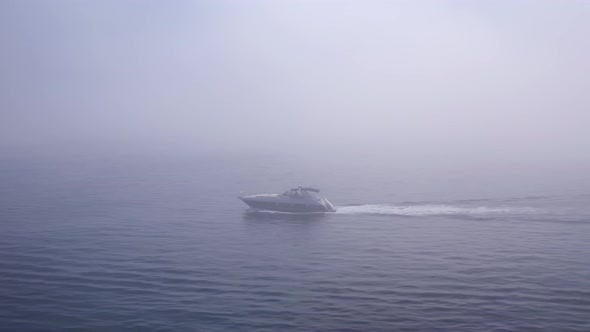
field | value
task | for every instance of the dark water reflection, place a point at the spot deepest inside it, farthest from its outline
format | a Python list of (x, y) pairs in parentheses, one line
[(272, 216)]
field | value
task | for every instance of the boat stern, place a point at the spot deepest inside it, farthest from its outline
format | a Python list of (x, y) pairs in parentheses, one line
[(329, 206)]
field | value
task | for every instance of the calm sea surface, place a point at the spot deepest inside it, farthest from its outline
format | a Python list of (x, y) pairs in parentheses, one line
[(112, 246)]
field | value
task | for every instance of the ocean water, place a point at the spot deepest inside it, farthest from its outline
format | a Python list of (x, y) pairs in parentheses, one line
[(108, 245)]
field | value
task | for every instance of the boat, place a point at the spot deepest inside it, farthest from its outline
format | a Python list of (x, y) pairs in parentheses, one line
[(296, 200)]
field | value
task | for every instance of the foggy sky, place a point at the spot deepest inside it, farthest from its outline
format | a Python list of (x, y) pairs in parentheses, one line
[(429, 81)]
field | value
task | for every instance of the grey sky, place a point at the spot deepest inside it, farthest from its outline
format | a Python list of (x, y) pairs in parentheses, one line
[(477, 80)]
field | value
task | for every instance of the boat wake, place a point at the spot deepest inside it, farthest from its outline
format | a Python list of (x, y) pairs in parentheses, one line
[(429, 210)]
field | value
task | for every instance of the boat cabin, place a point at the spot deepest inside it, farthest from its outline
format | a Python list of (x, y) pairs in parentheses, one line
[(300, 192)]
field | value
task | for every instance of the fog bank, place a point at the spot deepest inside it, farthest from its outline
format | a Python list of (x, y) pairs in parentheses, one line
[(420, 82)]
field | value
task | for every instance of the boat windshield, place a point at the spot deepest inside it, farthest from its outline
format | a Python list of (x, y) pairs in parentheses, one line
[(297, 192)]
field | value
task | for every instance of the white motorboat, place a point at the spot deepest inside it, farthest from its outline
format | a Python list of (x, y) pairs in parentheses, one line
[(296, 200)]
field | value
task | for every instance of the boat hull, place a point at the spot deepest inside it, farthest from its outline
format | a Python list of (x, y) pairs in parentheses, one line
[(286, 206)]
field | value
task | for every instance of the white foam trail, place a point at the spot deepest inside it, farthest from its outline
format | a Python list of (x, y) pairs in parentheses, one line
[(427, 210)]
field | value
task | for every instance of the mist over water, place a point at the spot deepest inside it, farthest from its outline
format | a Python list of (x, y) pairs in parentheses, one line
[(450, 135), (493, 87)]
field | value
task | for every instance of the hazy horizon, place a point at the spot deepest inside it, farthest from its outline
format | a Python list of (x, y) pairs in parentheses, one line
[(440, 85), (449, 139)]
